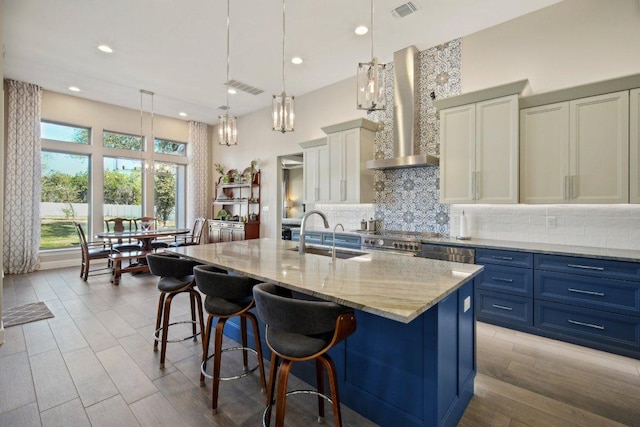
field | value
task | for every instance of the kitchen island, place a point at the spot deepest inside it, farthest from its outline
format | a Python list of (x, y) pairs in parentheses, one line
[(411, 361)]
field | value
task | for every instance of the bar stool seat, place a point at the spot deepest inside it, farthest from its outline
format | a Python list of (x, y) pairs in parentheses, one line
[(299, 330), (227, 296), (176, 277)]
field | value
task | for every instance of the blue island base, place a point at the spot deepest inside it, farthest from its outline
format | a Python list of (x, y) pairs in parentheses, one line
[(395, 374)]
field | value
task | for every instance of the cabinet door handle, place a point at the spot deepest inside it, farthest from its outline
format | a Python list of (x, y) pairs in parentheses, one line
[(473, 185), (503, 258), (316, 194), (588, 325), (502, 279), (573, 187), (581, 291), (585, 267), (343, 190), (502, 307), (565, 191)]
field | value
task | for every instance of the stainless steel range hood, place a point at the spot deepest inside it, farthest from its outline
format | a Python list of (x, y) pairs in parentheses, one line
[(405, 110)]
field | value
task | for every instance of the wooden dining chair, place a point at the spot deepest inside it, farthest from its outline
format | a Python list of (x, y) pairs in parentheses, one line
[(156, 243), (192, 238), (121, 225), (92, 251)]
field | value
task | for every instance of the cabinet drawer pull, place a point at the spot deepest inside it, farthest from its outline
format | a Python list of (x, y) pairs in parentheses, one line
[(502, 307), (502, 279), (580, 291), (588, 325), (503, 258), (585, 267)]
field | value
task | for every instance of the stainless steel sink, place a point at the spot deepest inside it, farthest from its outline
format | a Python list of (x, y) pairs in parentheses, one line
[(340, 252)]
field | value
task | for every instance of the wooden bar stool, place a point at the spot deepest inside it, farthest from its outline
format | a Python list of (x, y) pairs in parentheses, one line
[(227, 296), (299, 330), (176, 277)]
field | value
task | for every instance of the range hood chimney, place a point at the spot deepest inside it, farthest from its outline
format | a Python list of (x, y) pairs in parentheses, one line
[(405, 108)]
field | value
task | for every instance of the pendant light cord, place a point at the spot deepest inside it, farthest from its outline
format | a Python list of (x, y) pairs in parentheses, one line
[(228, 20), (283, 41), (372, 11)]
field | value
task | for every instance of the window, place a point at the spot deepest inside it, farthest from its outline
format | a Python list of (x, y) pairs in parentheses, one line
[(122, 140), (122, 188), (65, 194), (169, 194), (174, 148), (64, 133)]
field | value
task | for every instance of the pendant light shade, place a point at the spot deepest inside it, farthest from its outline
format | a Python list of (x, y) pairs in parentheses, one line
[(283, 104), (227, 131), (371, 80)]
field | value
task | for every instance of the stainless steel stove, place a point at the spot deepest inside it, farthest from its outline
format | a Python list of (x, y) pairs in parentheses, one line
[(400, 242)]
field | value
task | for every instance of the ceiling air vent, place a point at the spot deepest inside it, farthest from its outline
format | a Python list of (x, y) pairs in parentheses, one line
[(244, 87), (223, 108), (404, 10)]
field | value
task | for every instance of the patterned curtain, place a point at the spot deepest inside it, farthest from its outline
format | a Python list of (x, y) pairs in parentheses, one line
[(198, 153), (22, 179)]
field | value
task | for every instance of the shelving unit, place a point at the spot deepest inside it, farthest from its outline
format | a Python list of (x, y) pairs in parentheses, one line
[(236, 209)]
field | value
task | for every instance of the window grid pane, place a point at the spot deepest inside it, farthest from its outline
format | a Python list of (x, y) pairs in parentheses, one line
[(174, 148), (121, 140), (65, 192), (64, 133), (122, 188)]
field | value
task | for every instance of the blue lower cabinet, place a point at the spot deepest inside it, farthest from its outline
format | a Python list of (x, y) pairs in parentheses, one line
[(507, 279), (503, 309), (600, 329)]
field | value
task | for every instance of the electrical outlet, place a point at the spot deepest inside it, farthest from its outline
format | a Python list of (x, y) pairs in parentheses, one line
[(265, 209), (467, 304), (551, 222)]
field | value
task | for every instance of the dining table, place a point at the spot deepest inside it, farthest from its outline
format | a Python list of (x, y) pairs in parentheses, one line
[(145, 237), (137, 259)]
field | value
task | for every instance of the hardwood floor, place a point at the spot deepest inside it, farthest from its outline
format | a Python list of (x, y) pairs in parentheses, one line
[(93, 364)]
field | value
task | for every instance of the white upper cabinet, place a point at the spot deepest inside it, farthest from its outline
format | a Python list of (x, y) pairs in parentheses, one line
[(350, 145), (316, 171), (544, 153), (634, 146), (479, 152), (576, 151)]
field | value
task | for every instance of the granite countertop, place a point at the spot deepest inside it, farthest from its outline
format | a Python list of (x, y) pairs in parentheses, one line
[(392, 286), (545, 248)]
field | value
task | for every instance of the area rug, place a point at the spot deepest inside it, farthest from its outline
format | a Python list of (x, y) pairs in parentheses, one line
[(18, 315)]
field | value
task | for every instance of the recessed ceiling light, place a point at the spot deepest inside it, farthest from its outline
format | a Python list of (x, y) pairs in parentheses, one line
[(362, 30), (74, 89), (182, 114), (232, 91), (104, 48), (296, 60)]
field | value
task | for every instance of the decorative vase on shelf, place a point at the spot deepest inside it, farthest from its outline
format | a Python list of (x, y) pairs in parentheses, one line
[(225, 179)]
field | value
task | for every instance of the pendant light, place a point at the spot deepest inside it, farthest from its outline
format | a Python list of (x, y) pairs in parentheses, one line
[(371, 80), (227, 132), (146, 165), (283, 114)]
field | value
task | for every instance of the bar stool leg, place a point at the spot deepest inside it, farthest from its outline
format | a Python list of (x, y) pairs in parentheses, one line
[(281, 395), (273, 371), (205, 347), (217, 358), (256, 336), (165, 328), (333, 384), (320, 388), (158, 319), (200, 316), (192, 300), (243, 331)]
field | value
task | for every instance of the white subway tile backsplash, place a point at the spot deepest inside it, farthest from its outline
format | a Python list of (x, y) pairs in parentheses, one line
[(609, 226)]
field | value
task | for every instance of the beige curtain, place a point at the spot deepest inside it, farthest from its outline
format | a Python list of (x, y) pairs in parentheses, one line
[(198, 154), (22, 178)]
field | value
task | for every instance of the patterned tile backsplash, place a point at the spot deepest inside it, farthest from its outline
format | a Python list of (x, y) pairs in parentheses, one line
[(407, 199)]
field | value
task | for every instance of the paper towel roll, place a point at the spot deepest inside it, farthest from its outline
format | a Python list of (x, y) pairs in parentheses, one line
[(464, 226)]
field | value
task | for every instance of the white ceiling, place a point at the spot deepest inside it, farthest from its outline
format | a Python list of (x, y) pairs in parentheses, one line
[(177, 49)]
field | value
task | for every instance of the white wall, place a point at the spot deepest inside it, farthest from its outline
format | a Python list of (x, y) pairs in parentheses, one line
[(2, 139), (568, 44), (256, 139)]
